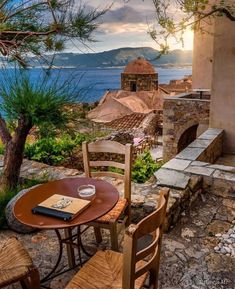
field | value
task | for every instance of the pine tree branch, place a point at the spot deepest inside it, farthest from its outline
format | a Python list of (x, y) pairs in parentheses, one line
[(28, 33), (24, 9), (3, 4), (52, 11)]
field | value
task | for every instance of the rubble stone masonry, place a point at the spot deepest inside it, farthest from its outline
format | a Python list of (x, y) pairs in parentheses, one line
[(144, 82), (179, 115)]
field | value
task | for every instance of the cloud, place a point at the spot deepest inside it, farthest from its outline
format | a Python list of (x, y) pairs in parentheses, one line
[(126, 25), (128, 14), (124, 18), (114, 28)]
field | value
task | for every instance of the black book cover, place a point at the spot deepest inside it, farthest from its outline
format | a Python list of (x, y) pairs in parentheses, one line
[(52, 213)]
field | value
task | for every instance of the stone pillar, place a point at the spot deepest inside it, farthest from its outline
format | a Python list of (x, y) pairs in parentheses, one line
[(222, 111)]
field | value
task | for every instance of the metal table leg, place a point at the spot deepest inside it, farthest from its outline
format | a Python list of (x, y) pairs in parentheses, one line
[(71, 241), (48, 276)]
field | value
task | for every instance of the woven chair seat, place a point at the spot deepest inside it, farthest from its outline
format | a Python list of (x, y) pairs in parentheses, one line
[(113, 215), (103, 271), (14, 262)]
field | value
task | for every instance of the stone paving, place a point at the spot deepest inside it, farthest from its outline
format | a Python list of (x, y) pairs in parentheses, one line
[(189, 259)]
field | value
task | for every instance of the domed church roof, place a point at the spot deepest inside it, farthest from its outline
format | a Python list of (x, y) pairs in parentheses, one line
[(139, 66)]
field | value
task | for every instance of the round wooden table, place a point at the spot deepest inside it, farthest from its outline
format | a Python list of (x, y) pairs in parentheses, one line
[(105, 199)]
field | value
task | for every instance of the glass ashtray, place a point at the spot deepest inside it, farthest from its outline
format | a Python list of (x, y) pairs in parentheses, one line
[(86, 191)]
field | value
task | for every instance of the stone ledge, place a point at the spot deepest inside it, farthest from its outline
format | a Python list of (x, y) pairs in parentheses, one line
[(206, 148), (190, 154), (222, 168), (199, 164), (200, 143), (212, 132), (177, 164), (172, 178), (204, 171), (224, 175), (195, 160), (185, 97)]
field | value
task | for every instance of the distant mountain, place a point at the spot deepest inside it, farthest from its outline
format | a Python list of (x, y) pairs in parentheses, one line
[(118, 57)]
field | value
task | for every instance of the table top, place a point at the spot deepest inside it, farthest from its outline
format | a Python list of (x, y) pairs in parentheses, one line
[(105, 199)]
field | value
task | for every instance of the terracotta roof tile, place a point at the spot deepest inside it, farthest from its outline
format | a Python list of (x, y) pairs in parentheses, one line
[(128, 121), (139, 66)]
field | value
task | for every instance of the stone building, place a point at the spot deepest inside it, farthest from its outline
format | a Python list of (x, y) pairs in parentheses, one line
[(213, 70), (177, 86), (139, 75), (140, 98)]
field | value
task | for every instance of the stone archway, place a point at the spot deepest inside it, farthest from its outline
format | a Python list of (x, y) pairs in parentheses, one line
[(182, 131), (182, 119), (188, 136)]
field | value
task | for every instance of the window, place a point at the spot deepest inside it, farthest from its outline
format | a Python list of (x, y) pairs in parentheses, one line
[(133, 86)]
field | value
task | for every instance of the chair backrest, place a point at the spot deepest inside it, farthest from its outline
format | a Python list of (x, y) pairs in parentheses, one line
[(152, 224), (107, 146)]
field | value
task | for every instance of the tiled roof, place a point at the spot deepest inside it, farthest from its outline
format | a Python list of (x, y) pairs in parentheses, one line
[(128, 121), (139, 66), (116, 104)]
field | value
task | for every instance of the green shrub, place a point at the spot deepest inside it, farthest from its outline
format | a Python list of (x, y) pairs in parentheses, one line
[(116, 170), (81, 137), (49, 150), (54, 151), (144, 167)]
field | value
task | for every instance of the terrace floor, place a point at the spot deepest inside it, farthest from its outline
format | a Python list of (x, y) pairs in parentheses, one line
[(189, 260), (226, 160)]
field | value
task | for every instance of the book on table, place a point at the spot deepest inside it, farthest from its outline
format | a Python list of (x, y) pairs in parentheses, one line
[(62, 207)]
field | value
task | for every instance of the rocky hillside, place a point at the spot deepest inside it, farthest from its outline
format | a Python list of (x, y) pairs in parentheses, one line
[(118, 57)]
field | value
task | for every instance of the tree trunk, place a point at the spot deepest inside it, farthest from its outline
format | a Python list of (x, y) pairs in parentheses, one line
[(13, 157)]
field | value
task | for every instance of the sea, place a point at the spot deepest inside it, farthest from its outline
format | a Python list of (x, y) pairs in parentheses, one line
[(92, 83)]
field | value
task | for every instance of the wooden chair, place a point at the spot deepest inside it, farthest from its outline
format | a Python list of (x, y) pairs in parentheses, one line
[(130, 270), (17, 266), (123, 207)]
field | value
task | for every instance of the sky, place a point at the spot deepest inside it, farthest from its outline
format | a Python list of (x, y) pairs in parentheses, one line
[(125, 25)]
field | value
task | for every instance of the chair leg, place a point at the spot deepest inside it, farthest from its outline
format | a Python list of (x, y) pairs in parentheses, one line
[(128, 214), (70, 250), (153, 279), (33, 281), (114, 238), (98, 234)]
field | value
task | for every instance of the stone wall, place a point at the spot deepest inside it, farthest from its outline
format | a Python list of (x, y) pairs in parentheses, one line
[(179, 115), (195, 160), (40, 171), (190, 174), (143, 82), (206, 148), (151, 125)]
